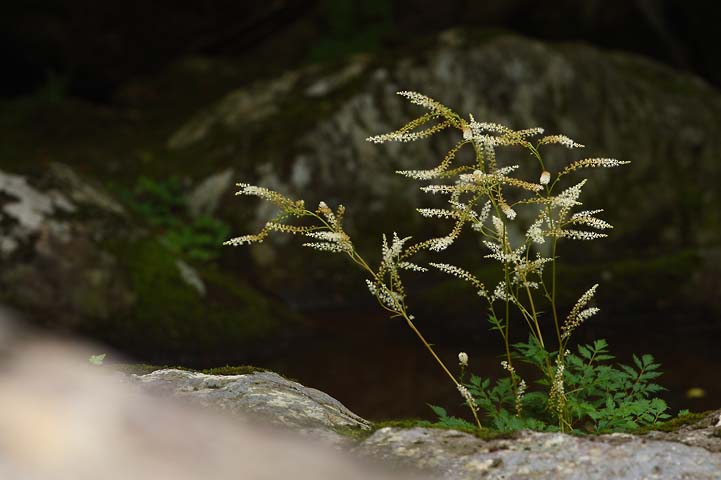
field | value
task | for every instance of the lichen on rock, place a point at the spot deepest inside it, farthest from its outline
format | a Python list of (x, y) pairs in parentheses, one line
[(258, 396)]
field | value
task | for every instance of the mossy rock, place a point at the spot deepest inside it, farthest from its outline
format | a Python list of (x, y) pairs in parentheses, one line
[(675, 424), (172, 319), (144, 368)]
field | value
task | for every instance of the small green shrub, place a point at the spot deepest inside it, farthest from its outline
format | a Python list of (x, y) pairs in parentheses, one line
[(599, 397), (573, 391), (157, 202), (162, 205)]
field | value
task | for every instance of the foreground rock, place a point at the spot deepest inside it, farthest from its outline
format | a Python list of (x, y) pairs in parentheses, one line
[(63, 419), (690, 452), (262, 396), (531, 455)]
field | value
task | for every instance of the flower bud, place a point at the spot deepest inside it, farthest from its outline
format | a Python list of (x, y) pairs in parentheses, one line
[(463, 359), (545, 177), (508, 211), (467, 132)]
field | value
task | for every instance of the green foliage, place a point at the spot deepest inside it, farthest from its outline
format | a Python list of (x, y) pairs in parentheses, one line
[(197, 240), (499, 404), (158, 202), (599, 396), (444, 420), (162, 205)]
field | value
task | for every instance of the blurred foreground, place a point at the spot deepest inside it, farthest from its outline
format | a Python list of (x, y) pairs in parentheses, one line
[(63, 418)]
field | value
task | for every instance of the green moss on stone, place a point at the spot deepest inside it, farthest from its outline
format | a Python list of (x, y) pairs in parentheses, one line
[(675, 423), (144, 369), (233, 370), (170, 316), (402, 423), (356, 433)]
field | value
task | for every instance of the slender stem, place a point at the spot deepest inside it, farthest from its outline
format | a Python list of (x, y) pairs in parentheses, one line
[(553, 294), (440, 362), (552, 298), (535, 315), (507, 282), (504, 334), (549, 212), (528, 318)]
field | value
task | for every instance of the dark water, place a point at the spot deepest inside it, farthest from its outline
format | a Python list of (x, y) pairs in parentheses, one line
[(378, 368)]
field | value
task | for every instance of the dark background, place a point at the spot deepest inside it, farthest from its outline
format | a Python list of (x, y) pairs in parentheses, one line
[(90, 48), (75, 57)]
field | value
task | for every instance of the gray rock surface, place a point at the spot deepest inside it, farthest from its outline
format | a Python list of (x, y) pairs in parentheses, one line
[(50, 231), (705, 433), (205, 197), (27, 211), (532, 455), (264, 396)]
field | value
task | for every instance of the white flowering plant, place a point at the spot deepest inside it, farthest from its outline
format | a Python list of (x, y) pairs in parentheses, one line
[(574, 391)]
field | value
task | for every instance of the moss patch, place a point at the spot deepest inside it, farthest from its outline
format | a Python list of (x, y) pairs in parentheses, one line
[(144, 369), (675, 423), (233, 370), (171, 318), (356, 433)]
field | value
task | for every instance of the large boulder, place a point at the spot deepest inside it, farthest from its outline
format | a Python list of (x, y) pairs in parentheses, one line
[(303, 134), (51, 263), (74, 259)]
